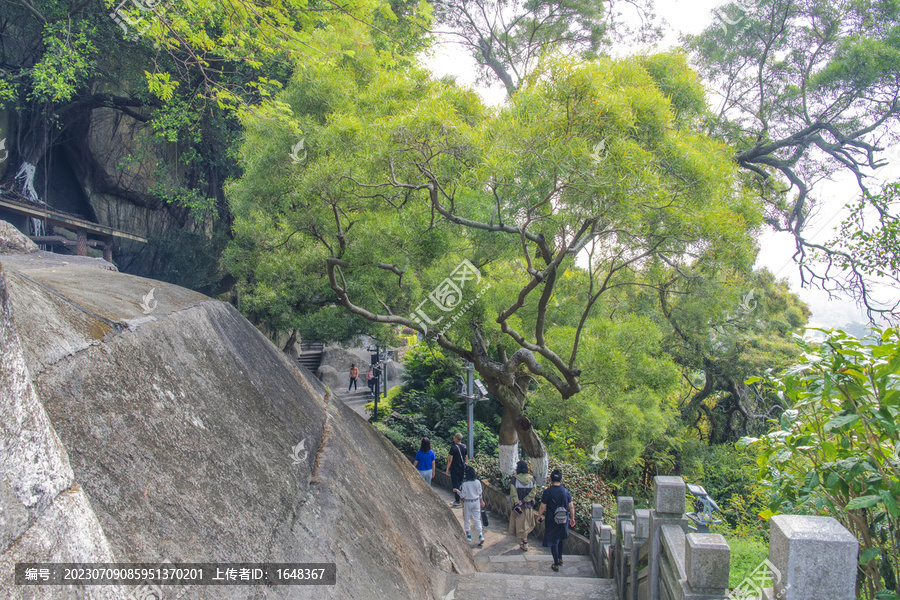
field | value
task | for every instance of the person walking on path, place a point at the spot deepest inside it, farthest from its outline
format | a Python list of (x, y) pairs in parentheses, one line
[(456, 465), (354, 373), (556, 501), (424, 460), (370, 381), (470, 491), (522, 494)]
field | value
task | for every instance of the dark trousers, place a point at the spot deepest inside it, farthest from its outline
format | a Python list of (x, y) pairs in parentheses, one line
[(456, 478), (556, 550), (352, 384)]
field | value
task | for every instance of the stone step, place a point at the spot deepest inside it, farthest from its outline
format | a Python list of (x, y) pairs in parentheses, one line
[(501, 586), (535, 564)]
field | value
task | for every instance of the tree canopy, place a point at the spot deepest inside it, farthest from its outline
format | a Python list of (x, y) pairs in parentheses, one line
[(809, 89), (403, 179)]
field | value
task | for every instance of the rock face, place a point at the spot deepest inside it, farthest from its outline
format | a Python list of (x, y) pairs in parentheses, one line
[(335, 381), (13, 241), (166, 427), (335, 369)]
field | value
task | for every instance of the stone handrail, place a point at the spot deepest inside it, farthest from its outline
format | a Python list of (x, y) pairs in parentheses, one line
[(654, 556)]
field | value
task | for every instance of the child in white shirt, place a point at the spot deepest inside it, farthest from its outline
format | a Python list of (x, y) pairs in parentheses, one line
[(470, 492)]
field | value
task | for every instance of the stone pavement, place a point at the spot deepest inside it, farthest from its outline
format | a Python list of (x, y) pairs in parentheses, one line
[(507, 573), (357, 399)]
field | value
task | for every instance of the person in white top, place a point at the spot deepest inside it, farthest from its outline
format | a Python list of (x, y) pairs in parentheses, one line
[(470, 492)]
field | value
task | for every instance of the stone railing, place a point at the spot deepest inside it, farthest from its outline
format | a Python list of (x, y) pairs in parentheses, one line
[(652, 555)]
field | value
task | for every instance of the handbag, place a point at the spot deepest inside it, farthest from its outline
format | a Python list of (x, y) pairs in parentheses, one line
[(484, 519)]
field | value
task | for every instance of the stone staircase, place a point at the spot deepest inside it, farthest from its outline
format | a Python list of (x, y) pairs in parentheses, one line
[(311, 356), (506, 573), (503, 586)]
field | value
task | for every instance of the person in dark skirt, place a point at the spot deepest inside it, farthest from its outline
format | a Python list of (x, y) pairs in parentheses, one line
[(556, 501)]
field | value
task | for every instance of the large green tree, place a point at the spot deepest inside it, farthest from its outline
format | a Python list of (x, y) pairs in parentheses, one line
[(722, 331), (176, 78), (402, 179), (809, 90), (509, 38)]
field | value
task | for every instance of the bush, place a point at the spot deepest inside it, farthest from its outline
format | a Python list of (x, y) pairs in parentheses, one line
[(729, 476), (837, 450), (486, 441)]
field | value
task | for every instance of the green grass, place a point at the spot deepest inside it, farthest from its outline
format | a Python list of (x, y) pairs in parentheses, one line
[(747, 553)]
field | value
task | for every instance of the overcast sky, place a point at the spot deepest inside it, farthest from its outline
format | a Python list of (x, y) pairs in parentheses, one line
[(692, 16)]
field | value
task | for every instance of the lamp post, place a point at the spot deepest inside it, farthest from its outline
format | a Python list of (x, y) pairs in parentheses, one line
[(376, 389), (470, 405)]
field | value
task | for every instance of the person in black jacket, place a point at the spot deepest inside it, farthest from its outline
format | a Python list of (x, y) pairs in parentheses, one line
[(456, 464), (557, 502)]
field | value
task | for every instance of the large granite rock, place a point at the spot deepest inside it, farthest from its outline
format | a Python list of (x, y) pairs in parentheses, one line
[(175, 431), (340, 359), (13, 241), (333, 380), (44, 514)]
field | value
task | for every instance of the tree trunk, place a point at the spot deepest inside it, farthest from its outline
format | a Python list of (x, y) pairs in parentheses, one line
[(515, 426), (509, 443)]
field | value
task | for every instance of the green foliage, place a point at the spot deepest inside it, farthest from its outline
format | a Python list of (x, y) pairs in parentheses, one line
[(189, 259), (486, 440), (385, 408), (65, 65), (626, 397), (805, 90), (729, 475), (722, 329), (507, 39), (875, 247), (427, 367), (837, 450)]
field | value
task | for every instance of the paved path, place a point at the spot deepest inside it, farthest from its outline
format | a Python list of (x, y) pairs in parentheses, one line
[(357, 399), (505, 572)]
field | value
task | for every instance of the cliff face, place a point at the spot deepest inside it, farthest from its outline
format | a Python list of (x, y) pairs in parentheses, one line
[(180, 433)]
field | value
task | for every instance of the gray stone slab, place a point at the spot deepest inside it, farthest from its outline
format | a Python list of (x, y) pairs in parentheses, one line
[(812, 557), (669, 494), (707, 561), (624, 507), (642, 523), (673, 541)]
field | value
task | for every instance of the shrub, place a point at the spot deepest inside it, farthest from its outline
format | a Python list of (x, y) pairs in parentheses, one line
[(729, 476), (485, 440), (837, 450)]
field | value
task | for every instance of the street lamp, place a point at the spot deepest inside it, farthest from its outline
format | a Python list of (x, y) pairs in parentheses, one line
[(376, 371), (706, 518), (472, 390)]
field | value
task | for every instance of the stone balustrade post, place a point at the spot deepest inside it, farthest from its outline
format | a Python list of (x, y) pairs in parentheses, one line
[(624, 516), (597, 550), (669, 499), (707, 562), (811, 558)]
